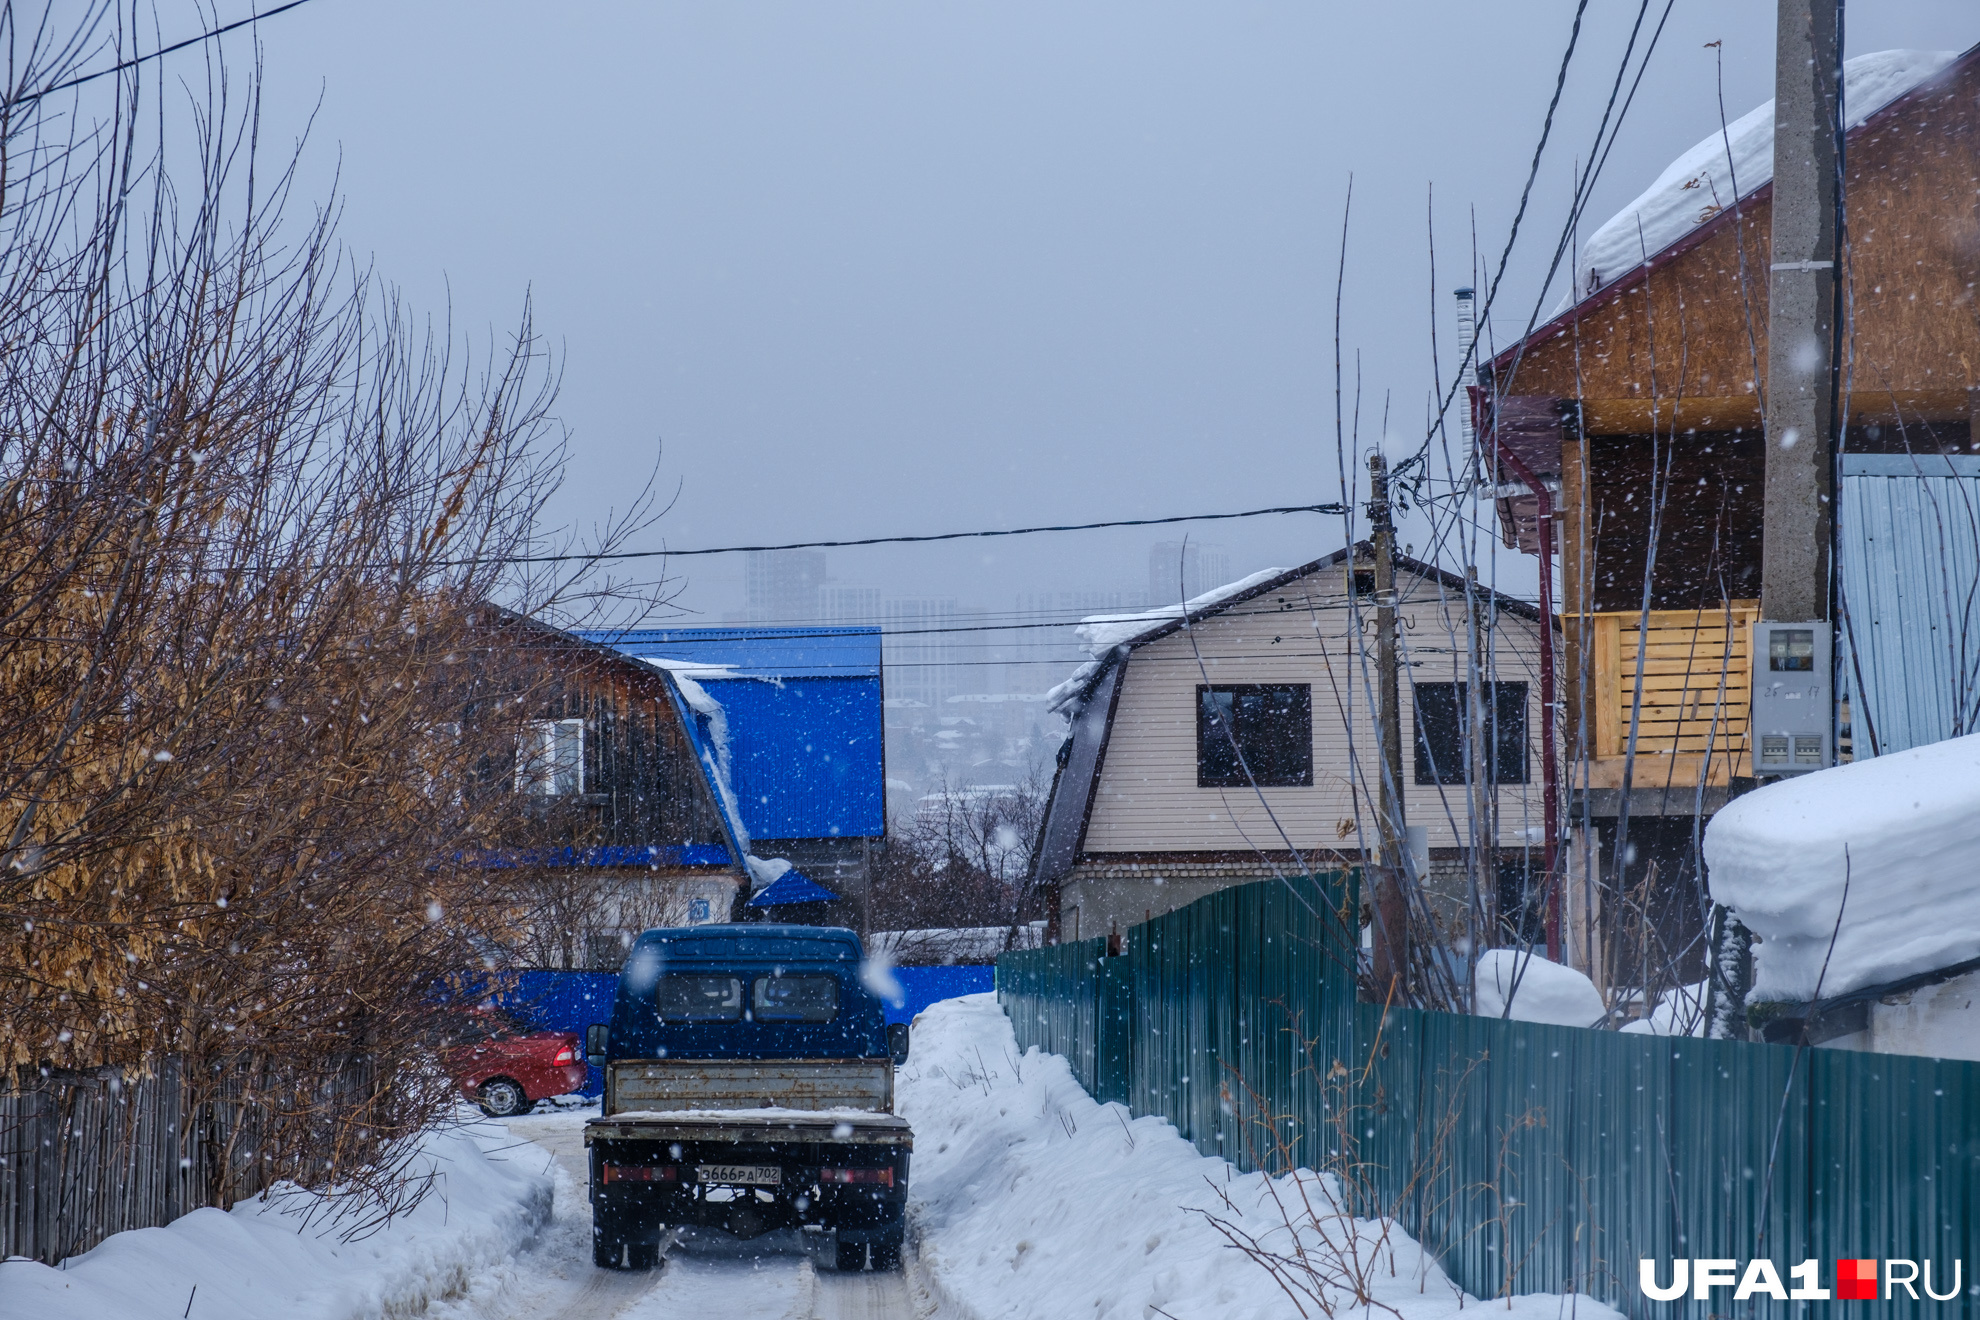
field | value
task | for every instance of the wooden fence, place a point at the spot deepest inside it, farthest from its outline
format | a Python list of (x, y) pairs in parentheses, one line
[(87, 1154)]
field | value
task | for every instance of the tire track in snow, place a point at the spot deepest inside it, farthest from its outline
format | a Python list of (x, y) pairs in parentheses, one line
[(708, 1275)]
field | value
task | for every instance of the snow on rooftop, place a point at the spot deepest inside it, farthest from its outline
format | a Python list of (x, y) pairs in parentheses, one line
[(690, 669), (1699, 184), (684, 674), (1101, 633), (1905, 831)]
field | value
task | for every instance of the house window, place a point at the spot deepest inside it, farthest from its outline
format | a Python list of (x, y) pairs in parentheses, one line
[(1265, 729), (550, 760), (1440, 744)]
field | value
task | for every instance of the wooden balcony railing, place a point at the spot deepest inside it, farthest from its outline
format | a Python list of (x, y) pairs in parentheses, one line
[(1693, 717)]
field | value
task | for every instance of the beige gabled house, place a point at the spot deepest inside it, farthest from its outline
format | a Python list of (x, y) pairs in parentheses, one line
[(1233, 739)]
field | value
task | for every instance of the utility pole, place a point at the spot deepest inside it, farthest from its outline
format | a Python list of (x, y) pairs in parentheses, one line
[(1801, 316), (1391, 908), (1484, 828)]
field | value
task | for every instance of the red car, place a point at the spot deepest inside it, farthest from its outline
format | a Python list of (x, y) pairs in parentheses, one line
[(505, 1069)]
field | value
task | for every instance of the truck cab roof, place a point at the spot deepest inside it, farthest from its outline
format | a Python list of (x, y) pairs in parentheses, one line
[(750, 991), (754, 942)]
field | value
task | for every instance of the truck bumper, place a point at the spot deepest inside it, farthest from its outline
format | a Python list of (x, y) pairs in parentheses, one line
[(659, 1184)]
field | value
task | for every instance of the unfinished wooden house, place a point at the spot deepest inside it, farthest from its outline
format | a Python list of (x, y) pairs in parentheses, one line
[(1639, 408)]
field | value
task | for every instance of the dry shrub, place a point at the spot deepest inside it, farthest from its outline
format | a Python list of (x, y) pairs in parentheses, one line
[(258, 716)]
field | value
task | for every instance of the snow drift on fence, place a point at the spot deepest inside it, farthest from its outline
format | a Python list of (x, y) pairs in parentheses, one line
[(1910, 823), (1031, 1200), (266, 1259), (1525, 987)]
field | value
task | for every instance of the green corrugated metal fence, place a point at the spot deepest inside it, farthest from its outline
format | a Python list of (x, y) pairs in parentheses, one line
[(1527, 1157)]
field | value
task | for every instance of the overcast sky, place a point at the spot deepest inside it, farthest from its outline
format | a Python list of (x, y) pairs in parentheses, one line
[(856, 268)]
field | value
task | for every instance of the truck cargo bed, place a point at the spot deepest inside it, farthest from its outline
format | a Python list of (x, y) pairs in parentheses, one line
[(673, 1085)]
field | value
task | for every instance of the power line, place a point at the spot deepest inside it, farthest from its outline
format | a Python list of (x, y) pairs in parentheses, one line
[(32, 97), (884, 540)]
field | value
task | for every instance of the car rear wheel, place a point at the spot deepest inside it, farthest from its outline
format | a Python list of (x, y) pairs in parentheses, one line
[(502, 1097)]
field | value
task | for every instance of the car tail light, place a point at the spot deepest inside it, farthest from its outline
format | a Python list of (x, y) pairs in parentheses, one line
[(885, 1177), (568, 1054), (612, 1173)]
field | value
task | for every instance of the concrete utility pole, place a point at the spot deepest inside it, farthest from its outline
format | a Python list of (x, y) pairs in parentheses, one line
[(1391, 908), (1801, 316), (1478, 719)]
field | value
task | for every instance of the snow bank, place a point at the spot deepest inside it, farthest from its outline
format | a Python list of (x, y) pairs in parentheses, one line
[(1537, 990), (265, 1259), (1910, 825), (1031, 1200), (1679, 1012), (1101, 633), (1699, 183)]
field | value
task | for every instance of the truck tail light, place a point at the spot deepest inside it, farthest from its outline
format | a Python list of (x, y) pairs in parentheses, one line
[(564, 1056), (885, 1177), (612, 1173)]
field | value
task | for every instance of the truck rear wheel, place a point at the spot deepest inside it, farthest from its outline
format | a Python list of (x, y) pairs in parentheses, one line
[(851, 1256), (612, 1248), (887, 1253)]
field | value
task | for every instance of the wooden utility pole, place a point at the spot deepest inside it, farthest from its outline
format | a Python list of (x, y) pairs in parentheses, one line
[(1478, 719), (1391, 907), (1801, 316)]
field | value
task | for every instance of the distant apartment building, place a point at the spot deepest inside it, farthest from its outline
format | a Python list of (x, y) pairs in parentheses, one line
[(921, 649), (781, 586), (1183, 570)]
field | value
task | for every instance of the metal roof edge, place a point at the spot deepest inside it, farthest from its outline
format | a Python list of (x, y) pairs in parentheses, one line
[(732, 827), (1069, 806)]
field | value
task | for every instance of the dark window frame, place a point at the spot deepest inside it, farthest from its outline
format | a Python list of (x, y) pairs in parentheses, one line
[(698, 1013), (1439, 741), (759, 1011), (1270, 723)]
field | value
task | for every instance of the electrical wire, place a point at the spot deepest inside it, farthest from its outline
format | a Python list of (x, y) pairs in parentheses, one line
[(883, 540), (32, 97)]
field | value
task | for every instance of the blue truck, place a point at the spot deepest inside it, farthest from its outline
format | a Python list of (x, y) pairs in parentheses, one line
[(749, 1086)]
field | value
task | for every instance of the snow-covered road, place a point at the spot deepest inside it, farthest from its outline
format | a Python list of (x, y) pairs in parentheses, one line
[(780, 1276)]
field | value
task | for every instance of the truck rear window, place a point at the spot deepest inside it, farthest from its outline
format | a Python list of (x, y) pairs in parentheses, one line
[(699, 998), (795, 999)]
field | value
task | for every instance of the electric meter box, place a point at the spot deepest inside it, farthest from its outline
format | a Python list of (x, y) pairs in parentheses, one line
[(1793, 719)]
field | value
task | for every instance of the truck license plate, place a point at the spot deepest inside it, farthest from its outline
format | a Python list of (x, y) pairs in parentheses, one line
[(748, 1175)]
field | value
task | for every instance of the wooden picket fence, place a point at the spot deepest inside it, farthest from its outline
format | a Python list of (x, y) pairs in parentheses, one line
[(87, 1154)]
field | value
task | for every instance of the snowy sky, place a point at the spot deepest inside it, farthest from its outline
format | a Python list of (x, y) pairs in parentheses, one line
[(872, 267)]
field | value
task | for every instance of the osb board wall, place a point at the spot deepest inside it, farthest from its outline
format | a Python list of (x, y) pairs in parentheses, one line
[(1696, 326), (1707, 525)]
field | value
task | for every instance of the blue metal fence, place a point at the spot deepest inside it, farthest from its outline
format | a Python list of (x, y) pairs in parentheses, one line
[(1527, 1157)]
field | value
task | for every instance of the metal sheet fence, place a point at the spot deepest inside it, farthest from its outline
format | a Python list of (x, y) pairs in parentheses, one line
[(1527, 1157)]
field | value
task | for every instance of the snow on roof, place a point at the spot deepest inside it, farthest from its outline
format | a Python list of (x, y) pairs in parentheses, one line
[(713, 748), (1905, 831), (690, 669), (1699, 184), (1101, 633)]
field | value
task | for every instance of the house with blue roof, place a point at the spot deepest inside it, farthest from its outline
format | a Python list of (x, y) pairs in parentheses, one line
[(790, 719), (624, 817)]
